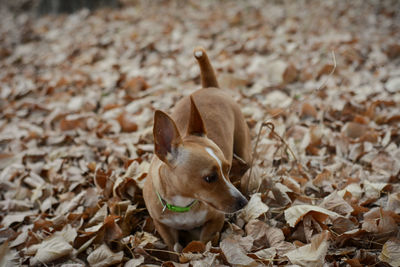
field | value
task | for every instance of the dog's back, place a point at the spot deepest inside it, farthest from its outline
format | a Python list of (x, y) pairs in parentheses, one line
[(222, 117), (223, 120)]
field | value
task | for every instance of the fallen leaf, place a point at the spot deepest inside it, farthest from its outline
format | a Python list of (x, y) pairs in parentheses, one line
[(311, 255), (391, 252), (290, 74), (266, 254), (235, 254), (134, 262), (8, 258), (254, 209), (308, 110), (394, 202), (103, 256), (14, 217), (56, 246), (194, 247), (127, 125), (294, 214), (373, 190), (379, 221), (336, 203)]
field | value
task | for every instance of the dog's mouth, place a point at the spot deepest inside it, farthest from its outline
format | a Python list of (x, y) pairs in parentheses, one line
[(229, 210)]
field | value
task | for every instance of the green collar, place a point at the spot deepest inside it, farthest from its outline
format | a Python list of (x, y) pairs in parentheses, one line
[(175, 208)]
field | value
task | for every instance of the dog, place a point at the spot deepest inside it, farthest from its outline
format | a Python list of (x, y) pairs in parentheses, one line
[(198, 149)]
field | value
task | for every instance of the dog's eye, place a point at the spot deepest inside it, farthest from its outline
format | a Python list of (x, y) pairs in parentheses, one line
[(211, 177)]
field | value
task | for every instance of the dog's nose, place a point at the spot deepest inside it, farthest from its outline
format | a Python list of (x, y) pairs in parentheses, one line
[(241, 202)]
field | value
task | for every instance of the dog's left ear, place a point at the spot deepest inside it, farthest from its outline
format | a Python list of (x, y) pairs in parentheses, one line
[(166, 138), (196, 124)]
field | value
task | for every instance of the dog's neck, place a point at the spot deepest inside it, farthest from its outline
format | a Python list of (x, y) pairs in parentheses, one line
[(166, 187)]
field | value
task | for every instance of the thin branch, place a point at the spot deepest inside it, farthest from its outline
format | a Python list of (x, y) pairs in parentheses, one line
[(331, 73)]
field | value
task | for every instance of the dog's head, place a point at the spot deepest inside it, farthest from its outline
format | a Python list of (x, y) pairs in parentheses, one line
[(197, 167)]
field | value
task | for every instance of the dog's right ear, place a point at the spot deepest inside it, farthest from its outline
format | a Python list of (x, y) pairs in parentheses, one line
[(166, 137)]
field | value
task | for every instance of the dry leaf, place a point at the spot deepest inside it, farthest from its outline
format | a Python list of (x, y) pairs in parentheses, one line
[(194, 247), (8, 258), (294, 214), (336, 203), (380, 221), (234, 253), (391, 252), (254, 209), (373, 190), (290, 74), (56, 246), (307, 110), (394, 203), (134, 262), (311, 255), (263, 234), (103, 256), (16, 217), (266, 254)]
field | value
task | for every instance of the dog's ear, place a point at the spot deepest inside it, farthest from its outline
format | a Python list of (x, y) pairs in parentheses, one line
[(196, 124), (166, 137)]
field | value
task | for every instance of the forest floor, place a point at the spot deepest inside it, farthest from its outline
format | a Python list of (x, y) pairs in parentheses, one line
[(77, 98)]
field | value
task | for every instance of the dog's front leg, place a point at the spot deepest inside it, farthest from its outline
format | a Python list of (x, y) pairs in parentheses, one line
[(210, 230), (169, 235)]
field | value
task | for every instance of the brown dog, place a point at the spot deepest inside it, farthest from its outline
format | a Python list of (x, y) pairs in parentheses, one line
[(204, 143)]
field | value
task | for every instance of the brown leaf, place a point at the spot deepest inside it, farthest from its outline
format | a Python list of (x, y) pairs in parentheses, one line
[(103, 256), (393, 50), (135, 85), (325, 70), (308, 110), (134, 262), (264, 235), (112, 230), (394, 202), (391, 252), (290, 74), (336, 203), (294, 214), (342, 225), (354, 130), (56, 246), (126, 122), (379, 221), (312, 255), (8, 258), (254, 208), (67, 124), (235, 254), (194, 247), (386, 163)]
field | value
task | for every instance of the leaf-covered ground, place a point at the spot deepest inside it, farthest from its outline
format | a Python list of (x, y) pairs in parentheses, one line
[(77, 97)]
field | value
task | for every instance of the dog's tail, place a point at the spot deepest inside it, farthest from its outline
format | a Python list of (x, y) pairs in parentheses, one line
[(207, 74)]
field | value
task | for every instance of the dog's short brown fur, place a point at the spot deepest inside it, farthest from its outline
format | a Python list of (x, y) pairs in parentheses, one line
[(203, 144)]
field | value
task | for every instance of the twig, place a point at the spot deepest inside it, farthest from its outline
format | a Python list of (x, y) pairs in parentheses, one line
[(330, 74), (270, 126), (254, 155), (160, 250)]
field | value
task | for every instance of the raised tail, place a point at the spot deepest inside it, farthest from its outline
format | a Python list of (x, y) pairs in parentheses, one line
[(207, 74)]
